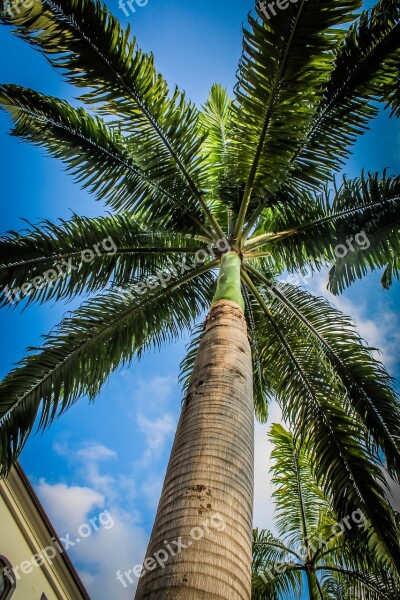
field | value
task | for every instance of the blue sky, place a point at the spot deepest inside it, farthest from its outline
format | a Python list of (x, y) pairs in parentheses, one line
[(112, 455)]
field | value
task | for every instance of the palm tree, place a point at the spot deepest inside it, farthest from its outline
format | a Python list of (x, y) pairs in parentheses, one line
[(315, 556), (245, 181)]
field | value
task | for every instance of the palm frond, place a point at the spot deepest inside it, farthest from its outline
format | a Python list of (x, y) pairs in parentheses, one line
[(335, 566), (86, 255), (215, 120), (277, 572), (88, 45), (366, 66), (76, 358), (316, 407), (364, 379), (366, 69), (393, 98), (373, 229), (117, 171), (351, 584), (285, 67), (355, 229), (391, 271), (335, 589), (299, 503)]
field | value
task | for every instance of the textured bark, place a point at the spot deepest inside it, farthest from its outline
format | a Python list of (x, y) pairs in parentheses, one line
[(209, 480)]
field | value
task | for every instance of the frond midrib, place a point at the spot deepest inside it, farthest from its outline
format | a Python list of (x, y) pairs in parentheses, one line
[(253, 172), (111, 325)]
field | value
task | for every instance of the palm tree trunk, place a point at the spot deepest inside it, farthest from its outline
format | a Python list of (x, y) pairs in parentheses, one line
[(205, 512), (314, 589)]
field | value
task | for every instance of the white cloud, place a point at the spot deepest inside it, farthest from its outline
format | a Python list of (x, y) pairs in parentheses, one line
[(68, 506), (151, 489), (118, 545), (263, 504), (95, 453), (156, 432), (119, 548), (153, 393), (88, 457), (377, 324)]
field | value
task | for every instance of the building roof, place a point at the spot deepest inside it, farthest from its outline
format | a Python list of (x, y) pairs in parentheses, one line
[(23, 499)]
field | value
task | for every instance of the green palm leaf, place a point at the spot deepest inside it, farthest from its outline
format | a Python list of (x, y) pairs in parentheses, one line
[(366, 69), (335, 565), (315, 405), (295, 226), (215, 122), (351, 584), (115, 170), (298, 500), (77, 358), (283, 72), (85, 255), (364, 379), (374, 204), (83, 40), (277, 571), (366, 66), (391, 271), (355, 231)]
